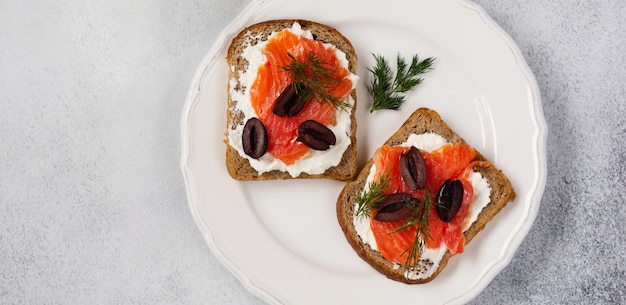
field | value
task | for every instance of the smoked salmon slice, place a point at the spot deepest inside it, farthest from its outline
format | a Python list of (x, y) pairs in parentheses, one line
[(450, 161), (272, 79)]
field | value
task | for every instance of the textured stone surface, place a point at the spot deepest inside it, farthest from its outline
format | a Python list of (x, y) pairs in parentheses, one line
[(574, 253), (92, 202)]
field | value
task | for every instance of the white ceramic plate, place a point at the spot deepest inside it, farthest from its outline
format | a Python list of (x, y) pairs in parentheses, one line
[(281, 238)]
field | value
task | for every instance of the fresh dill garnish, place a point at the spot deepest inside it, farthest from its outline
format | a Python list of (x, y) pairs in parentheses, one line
[(418, 221), (368, 200), (314, 78), (389, 91)]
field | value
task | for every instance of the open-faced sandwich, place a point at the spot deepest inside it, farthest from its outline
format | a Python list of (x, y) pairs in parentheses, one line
[(291, 102), (420, 199)]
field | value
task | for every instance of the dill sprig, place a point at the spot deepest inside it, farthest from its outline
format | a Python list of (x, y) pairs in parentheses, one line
[(368, 200), (418, 221), (389, 91), (314, 78)]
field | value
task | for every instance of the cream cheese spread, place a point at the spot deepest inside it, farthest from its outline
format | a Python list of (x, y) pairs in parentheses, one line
[(430, 258), (313, 162)]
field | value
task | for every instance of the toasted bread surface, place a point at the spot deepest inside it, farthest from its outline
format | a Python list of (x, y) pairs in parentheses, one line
[(238, 166), (423, 120)]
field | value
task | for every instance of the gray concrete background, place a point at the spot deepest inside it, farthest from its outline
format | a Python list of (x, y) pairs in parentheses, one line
[(92, 202)]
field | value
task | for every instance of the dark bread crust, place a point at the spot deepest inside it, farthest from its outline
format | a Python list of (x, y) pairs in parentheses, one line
[(239, 167), (421, 121)]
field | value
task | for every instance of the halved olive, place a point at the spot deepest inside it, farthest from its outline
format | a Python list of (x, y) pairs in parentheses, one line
[(315, 135), (449, 199), (413, 169), (254, 138), (394, 207), (290, 102)]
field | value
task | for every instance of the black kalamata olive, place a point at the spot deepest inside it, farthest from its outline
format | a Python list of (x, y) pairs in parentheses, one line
[(315, 135), (290, 102), (449, 199), (413, 169), (394, 207), (254, 138)]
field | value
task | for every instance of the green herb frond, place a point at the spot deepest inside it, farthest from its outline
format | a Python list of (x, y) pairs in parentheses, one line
[(314, 78), (375, 194), (389, 91), (417, 221)]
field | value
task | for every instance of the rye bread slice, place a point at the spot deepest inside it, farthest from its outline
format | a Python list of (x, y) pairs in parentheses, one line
[(423, 120), (238, 166)]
